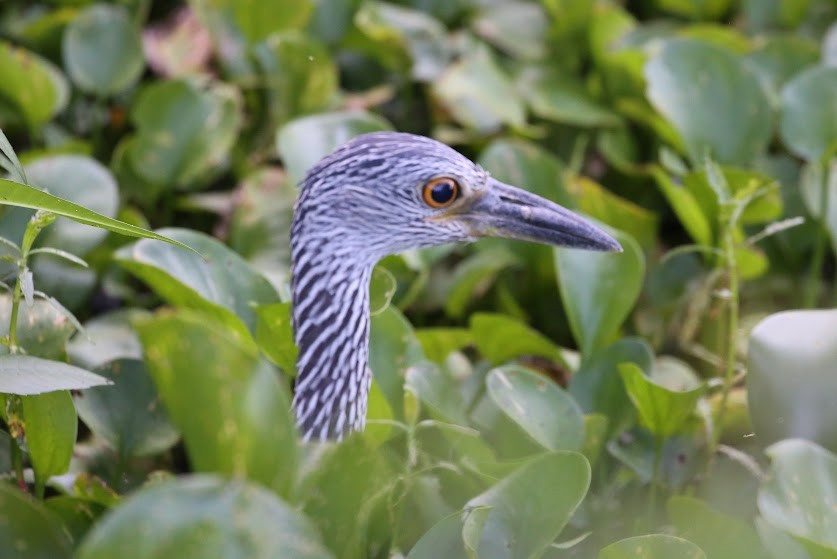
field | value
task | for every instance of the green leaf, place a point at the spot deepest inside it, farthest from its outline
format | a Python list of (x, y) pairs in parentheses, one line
[(719, 535), (16, 194), (663, 411), (191, 517), (42, 329), (34, 89), (275, 335), (9, 161), (51, 424), (686, 206), (108, 337), (474, 274), (77, 515), (250, 432), (444, 539), (257, 19), (501, 338), (798, 495), (185, 128), (540, 407), (818, 184), (695, 9), (741, 184), (808, 123), (652, 546), (28, 530), (437, 389), (102, 50), (128, 415), (790, 368), (478, 93), (219, 283), (530, 507), (439, 342), (777, 58), (680, 460), (599, 289), (27, 375), (304, 141), (393, 350), (561, 97), (712, 99)]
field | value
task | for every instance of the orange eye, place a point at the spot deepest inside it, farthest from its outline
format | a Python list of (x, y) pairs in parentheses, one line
[(441, 192)]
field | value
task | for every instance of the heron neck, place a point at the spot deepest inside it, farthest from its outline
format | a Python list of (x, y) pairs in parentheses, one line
[(331, 326)]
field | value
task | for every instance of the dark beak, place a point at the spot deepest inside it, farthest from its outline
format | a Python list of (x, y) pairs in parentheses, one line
[(508, 211)]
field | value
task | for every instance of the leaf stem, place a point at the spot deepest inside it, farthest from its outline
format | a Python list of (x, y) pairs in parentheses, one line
[(732, 334)]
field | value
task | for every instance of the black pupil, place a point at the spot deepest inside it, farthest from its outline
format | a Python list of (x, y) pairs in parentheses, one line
[(443, 192)]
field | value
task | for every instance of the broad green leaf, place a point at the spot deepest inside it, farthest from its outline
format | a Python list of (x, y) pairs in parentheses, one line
[(790, 376), (808, 123), (257, 19), (31, 86), (191, 517), (501, 338), (393, 350), (108, 337), (185, 128), (478, 93), (42, 329), (712, 99), (678, 462), (742, 184), (779, 543), (444, 539), (16, 194), (529, 166), (599, 289), (778, 58), (275, 335), (597, 387), (818, 184), (129, 414), (343, 511), (51, 424), (685, 206), (540, 407), (518, 28), (767, 16), (250, 431), (28, 530), (719, 535), (27, 375), (652, 546), (438, 390), (473, 273), (220, 282), (297, 75), (695, 9), (304, 141), (530, 507), (77, 515), (662, 410), (563, 98), (800, 493), (102, 50), (439, 342)]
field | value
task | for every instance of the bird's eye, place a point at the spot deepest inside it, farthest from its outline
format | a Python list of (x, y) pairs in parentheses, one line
[(441, 192)]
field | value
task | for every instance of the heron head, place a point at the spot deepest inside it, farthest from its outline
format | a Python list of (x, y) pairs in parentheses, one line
[(392, 191)]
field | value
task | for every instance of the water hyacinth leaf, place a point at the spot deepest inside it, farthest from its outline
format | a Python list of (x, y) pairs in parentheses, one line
[(250, 432), (190, 516), (718, 534), (500, 338), (444, 539), (129, 414), (518, 28), (42, 329), (713, 100), (77, 515), (393, 349), (818, 183), (652, 546), (790, 378), (51, 425), (36, 532), (686, 206), (474, 274), (478, 93), (302, 142), (185, 128), (275, 335), (257, 19), (27, 375), (800, 493), (220, 282), (102, 50), (662, 410), (563, 98), (808, 123), (597, 387), (540, 407), (437, 389), (21, 195), (34, 89), (108, 337), (599, 289), (695, 9), (741, 184), (530, 507), (438, 343), (779, 58), (527, 165), (297, 75)]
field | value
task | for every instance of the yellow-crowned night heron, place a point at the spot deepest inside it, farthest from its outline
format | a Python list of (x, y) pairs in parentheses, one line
[(379, 194)]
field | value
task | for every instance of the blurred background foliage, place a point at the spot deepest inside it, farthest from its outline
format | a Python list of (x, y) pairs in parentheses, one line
[(674, 400)]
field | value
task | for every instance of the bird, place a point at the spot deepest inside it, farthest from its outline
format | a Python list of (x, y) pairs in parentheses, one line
[(378, 194)]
